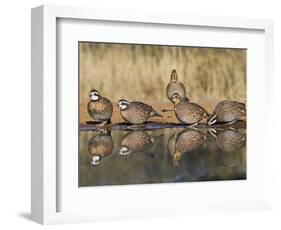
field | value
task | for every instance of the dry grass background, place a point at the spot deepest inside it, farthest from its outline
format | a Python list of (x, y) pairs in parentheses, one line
[(142, 72)]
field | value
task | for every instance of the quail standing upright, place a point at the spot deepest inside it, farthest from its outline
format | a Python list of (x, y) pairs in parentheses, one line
[(136, 112), (227, 111), (100, 108), (188, 112), (175, 86)]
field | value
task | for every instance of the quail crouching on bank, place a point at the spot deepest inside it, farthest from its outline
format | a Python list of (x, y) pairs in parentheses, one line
[(227, 111), (136, 112), (100, 108), (188, 112)]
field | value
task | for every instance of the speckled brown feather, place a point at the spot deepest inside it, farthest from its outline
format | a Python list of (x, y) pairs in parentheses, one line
[(189, 140), (100, 110), (100, 145), (137, 141), (190, 113), (230, 140), (175, 87), (138, 113), (228, 110), (172, 144)]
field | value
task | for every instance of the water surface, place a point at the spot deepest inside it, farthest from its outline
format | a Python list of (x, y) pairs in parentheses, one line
[(120, 157)]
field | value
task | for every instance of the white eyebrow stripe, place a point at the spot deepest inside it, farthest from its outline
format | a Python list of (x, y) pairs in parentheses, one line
[(95, 92), (124, 102)]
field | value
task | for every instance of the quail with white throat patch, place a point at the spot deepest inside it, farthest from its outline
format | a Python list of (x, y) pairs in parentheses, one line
[(136, 113), (100, 108)]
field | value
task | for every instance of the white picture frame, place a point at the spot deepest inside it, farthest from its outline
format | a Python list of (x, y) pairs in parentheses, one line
[(46, 181)]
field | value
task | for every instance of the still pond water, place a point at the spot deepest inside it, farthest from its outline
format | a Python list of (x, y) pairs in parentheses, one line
[(124, 157)]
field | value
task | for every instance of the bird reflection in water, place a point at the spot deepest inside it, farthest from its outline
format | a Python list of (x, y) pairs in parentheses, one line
[(184, 142), (180, 155), (100, 145), (228, 140), (136, 141)]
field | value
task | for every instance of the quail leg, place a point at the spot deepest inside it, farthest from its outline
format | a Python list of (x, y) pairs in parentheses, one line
[(213, 132), (102, 123), (212, 120), (193, 125), (231, 122)]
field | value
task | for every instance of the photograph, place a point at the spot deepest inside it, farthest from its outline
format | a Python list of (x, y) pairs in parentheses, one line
[(151, 113)]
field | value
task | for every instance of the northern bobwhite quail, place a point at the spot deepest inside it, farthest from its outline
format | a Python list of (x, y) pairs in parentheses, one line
[(175, 86), (99, 108), (136, 112), (227, 111), (188, 112)]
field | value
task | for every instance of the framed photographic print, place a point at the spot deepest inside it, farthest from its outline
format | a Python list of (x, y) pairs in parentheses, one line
[(141, 114)]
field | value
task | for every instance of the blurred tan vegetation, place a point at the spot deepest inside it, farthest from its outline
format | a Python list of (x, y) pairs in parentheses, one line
[(142, 72)]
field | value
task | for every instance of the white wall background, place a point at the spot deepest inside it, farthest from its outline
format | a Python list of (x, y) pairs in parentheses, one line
[(15, 112)]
